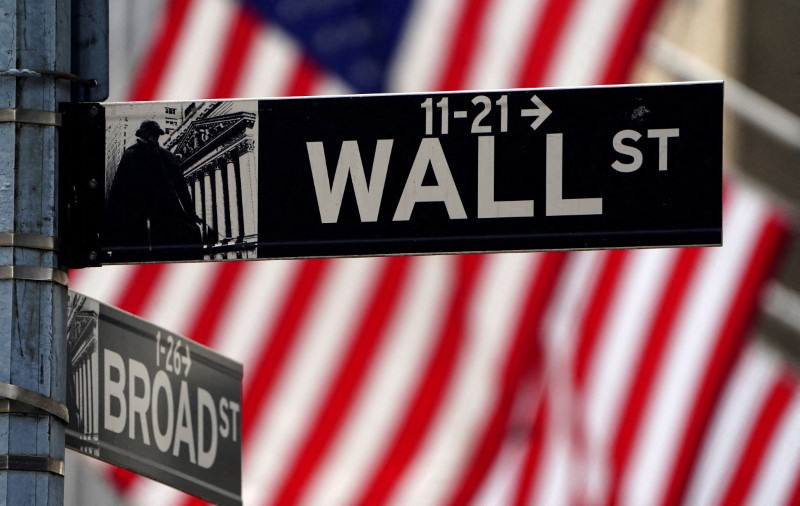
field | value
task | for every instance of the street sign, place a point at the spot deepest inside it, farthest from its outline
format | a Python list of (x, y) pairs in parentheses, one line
[(153, 402), (454, 172)]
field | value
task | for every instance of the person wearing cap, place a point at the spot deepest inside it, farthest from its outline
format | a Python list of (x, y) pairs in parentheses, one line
[(149, 211)]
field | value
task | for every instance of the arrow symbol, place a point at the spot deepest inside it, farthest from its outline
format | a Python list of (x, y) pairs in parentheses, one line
[(187, 361), (540, 113)]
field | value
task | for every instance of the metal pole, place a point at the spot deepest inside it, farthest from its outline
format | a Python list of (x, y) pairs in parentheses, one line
[(35, 36)]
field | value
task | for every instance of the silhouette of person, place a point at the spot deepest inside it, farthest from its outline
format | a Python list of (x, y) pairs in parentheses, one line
[(150, 214)]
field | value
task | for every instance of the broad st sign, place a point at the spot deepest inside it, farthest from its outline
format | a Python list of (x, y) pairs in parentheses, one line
[(455, 172), (153, 402)]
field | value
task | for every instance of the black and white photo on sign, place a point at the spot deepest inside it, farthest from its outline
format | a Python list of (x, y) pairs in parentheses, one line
[(83, 403), (181, 181)]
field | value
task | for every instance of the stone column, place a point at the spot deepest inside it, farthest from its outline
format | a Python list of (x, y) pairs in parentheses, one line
[(84, 392), (94, 410), (235, 194), (219, 198), (210, 199), (226, 197), (90, 397), (249, 185)]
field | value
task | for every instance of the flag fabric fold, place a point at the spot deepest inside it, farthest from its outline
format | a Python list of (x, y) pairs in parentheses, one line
[(607, 377)]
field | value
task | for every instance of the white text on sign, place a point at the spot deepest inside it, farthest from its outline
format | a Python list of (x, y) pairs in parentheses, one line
[(134, 395), (431, 155)]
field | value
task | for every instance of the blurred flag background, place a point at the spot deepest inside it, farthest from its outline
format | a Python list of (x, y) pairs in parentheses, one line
[(632, 377)]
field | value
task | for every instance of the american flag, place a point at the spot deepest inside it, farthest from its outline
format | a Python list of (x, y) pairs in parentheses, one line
[(557, 378)]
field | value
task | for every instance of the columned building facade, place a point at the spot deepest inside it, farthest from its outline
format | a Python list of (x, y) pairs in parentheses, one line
[(215, 144), (83, 398)]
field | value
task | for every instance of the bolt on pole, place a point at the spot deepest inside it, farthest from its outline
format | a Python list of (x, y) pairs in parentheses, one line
[(34, 36)]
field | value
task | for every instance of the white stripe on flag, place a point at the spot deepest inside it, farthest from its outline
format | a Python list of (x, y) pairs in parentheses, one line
[(502, 481), (469, 395), (569, 300), (169, 307), (253, 307), (270, 63), (424, 46), (778, 475), (105, 284), (584, 48), (194, 62), (388, 385), (504, 40), (552, 485), (734, 417), (287, 414), (620, 343), (144, 492), (331, 85), (703, 313)]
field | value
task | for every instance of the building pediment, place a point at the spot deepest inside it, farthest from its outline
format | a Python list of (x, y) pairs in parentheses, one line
[(205, 135)]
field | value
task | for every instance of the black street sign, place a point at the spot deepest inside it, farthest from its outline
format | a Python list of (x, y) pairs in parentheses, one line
[(455, 172), (153, 402)]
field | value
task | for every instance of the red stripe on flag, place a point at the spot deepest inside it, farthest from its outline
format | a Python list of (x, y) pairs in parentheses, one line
[(74, 276), (140, 288), (304, 78), (215, 301), (648, 367), (794, 498), (349, 380), (241, 38), (427, 399), (543, 43), (604, 291), (122, 478), (280, 340), (260, 380), (629, 42), (772, 411), (523, 355), (464, 45), (153, 68), (536, 442), (764, 259)]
